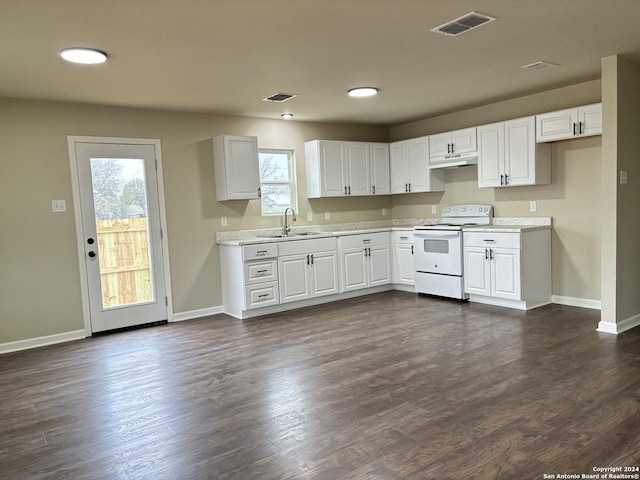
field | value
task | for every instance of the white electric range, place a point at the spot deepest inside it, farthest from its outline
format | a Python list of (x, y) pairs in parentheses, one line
[(438, 262)]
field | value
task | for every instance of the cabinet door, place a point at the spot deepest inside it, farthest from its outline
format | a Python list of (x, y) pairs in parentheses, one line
[(379, 265), (557, 125), (356, 169), (440, 144), (399, 163), (464, 141), (293, 277), (505, 273), (491, 155), (324, 273), (477, 274), (419, 173), (236, 167), (331, 168), (520, 152), (379, 160), (590, 118), (353, 268), (403, 265)]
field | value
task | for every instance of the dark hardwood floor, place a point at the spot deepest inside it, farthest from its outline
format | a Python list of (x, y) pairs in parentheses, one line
[(388, 386)]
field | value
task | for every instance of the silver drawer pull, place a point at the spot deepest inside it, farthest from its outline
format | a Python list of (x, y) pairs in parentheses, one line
[(261, 252), (489, 241), (263, 295), (404, 238), (366, 240), (260, 272)]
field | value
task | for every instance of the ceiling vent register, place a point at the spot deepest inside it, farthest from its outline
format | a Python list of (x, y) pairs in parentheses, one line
[(463, 24), (540, 65), (280, 97)]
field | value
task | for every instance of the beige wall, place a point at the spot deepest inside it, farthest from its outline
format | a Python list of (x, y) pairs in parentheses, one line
[(39, 286), (621, 262), (573, 198)]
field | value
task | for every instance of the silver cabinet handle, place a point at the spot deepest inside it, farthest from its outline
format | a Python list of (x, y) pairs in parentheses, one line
[(404, 238), (261, 253), (486, 254), (263, 295), (312, 259), (489, 240), (490, 254), (373, 188), (345, 190), (501, 179), (506, 179), (580, 128)]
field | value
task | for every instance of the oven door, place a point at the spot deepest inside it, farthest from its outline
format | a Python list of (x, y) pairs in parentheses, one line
[(438, 251)]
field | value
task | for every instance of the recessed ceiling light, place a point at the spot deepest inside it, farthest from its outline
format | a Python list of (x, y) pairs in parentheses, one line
[(287, 116), (87, 56), (363, 92)]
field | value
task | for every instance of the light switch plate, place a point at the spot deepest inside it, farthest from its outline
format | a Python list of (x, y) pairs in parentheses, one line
[(223, 221), (327, 215), (623, 177), (58, 206), (384, 211), (309, 217), (533, 206), (434, 209)]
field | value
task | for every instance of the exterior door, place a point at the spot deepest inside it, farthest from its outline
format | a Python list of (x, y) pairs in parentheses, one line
[(118, 215)]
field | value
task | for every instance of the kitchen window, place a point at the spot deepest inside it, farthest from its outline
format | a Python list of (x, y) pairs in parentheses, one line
[(277, 181)]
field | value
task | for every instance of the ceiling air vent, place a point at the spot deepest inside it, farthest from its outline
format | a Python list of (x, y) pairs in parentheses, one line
[(463, 24), (280, 97), (540, 65)]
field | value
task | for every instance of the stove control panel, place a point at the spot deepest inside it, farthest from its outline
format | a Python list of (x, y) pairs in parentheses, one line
[(471, 210)]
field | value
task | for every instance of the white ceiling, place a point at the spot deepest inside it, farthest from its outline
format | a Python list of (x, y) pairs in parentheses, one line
[(226, 55)]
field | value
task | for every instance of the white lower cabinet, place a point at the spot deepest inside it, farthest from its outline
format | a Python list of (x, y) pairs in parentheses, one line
[(307, 269), (403, 272), (508, 269), (249, 277), (365, 261)]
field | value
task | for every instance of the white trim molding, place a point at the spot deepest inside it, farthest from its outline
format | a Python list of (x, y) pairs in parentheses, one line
[(41, 341), (577, 302), (193, 314), (619, 327)]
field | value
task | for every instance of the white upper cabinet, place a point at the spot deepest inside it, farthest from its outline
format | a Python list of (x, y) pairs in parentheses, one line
[(569, 123), (338, 169), (410, 171), (458, 141), (509, 156), (357, 169), (380, 170), (235, 162)]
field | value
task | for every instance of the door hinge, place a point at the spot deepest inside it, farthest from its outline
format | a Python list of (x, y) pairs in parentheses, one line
[(161, 234), (166, 301), (156, 163)]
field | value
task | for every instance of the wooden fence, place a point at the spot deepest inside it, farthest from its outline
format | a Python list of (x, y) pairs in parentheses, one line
[(125, 273)]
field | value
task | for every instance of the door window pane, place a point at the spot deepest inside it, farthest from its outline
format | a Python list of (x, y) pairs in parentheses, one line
[(120, 202)]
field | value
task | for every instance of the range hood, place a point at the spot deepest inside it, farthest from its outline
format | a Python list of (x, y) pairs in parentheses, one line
[(454, 160)]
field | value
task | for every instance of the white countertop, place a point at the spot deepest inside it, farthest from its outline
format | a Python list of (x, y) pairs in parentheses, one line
[(249, 237)]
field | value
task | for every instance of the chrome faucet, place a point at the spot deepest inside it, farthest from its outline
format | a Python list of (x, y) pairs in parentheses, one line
[(286, 229)]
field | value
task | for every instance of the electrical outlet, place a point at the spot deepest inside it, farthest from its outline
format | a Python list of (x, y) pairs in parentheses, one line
[(533, 206), (384, 211), (223, 221), (434, 209), (58, 206), (327, 215), (309, 217)]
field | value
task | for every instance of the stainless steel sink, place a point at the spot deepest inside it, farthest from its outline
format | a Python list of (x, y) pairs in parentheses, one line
[(294, 235)]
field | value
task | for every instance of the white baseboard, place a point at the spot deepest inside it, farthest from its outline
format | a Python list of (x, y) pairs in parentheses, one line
[(191, 314), (577, 302), (41, 341), (623, 326)]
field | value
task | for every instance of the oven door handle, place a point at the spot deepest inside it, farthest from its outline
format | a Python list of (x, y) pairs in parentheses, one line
[(436, 235)]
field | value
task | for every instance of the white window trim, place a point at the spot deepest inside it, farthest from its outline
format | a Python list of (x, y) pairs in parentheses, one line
[(292, 178)]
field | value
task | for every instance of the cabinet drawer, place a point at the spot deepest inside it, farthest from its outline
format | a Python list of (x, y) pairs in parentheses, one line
[(401, 238), (261, 295), (264, 250), (489, 239), (364, 240), (260, 271)]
